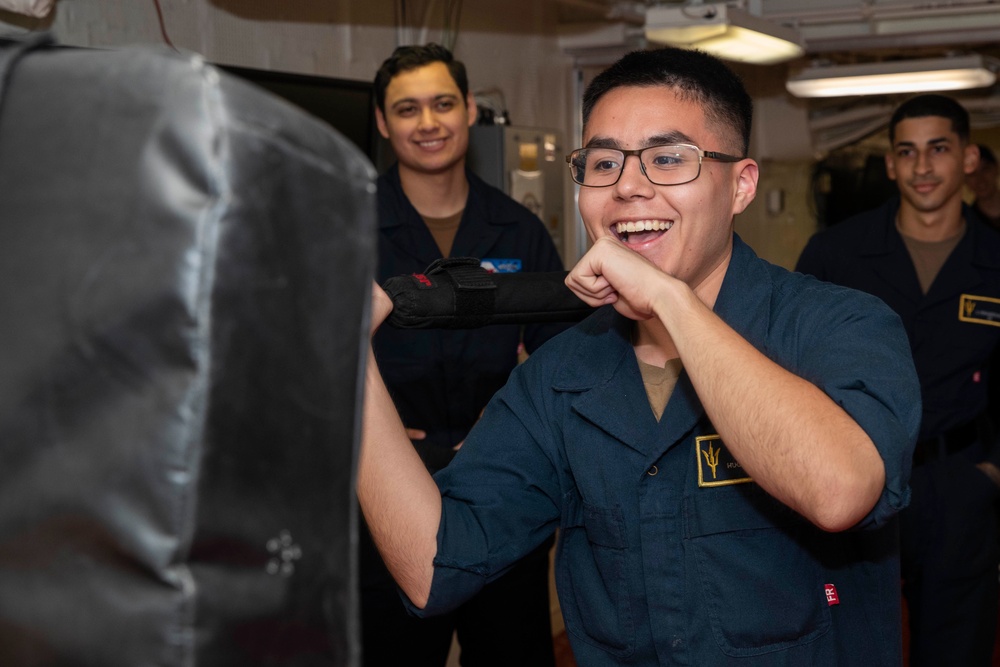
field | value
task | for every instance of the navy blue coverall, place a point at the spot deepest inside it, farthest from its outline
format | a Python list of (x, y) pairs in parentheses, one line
[(668, 553)]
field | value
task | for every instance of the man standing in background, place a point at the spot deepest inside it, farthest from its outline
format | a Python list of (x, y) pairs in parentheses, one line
[(930, 258), (431, 206)]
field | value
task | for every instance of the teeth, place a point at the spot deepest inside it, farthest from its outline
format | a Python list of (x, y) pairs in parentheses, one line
[(643, 226)]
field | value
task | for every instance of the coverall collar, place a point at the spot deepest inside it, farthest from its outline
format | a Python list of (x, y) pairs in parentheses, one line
[(477, 233), (603, 370), (884, 243)]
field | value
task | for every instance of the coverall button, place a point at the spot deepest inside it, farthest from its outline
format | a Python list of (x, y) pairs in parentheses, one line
[(652, 471)]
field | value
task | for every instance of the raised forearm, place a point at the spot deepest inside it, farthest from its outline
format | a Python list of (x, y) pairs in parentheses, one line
[(400, 500), (792, 438)]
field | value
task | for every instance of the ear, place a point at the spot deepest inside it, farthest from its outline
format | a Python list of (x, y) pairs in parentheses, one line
[(380, 123), (746, 185), (890, 166), (470, 104), (970, 161)]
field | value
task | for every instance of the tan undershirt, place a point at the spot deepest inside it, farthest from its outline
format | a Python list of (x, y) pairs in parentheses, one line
[(660, 383), (443, 230), (929, 256)]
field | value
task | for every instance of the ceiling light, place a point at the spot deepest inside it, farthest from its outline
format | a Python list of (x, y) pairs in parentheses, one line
[(727, 32), (897, 76)]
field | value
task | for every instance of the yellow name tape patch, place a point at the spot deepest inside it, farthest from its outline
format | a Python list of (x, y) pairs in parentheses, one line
[(716, 466), (979, 309)]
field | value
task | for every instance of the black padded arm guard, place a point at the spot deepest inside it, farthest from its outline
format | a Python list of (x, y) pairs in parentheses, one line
[(457, 293)]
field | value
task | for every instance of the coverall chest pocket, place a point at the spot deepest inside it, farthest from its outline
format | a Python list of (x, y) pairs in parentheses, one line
[(760, 581), (593, 578)]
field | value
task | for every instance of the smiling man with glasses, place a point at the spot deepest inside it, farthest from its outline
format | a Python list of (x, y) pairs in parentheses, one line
[(721, 455)]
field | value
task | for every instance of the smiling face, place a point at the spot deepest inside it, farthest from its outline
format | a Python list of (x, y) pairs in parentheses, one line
[(929, 163), (427, 119), (690, 225)]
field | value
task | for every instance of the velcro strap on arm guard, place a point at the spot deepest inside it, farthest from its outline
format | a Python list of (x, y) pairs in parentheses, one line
[(457, 293)]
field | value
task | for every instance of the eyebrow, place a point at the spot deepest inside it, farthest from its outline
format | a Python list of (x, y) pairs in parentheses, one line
[(932, 142), (674, 137), (414, 100)]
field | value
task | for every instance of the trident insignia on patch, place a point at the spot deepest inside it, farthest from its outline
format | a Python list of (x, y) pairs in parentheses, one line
[(716, 466)]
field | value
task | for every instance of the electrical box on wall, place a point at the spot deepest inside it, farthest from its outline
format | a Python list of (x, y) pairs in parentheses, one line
[(526, 163)]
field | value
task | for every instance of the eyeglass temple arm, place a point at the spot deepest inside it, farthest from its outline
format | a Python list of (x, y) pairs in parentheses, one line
[(721, 157)]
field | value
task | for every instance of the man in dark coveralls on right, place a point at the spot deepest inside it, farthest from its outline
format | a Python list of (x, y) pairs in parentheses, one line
[(932, 259)]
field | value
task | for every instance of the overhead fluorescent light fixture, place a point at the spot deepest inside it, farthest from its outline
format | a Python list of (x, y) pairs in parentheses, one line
[(727, 32), (896, 76)]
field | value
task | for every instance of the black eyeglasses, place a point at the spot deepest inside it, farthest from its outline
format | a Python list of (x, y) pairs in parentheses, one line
[(673, 164)]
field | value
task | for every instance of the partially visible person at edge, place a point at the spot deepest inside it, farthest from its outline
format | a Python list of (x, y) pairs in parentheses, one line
[(983, 184), (930, 258), (432, 206), (724, 445)]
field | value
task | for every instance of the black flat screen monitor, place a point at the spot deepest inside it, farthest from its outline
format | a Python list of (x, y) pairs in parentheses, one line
[(345, 104)]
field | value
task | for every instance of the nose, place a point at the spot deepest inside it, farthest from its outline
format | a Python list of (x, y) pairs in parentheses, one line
[(633, 181), (427, 120), (923, 164)]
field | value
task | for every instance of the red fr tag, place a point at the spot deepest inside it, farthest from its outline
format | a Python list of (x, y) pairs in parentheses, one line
[(977, 377), (831, 594)]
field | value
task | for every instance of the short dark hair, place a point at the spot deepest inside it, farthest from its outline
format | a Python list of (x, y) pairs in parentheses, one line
[(406, 58), (986, 155), (693, 74), (941, 106)]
